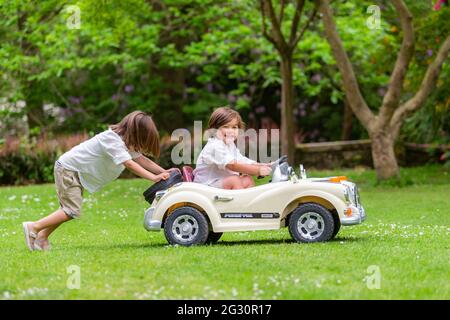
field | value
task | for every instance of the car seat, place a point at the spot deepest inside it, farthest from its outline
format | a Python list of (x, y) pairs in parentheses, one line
[(188, 174)]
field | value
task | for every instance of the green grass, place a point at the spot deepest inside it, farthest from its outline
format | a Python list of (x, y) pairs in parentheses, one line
[(406, 236)]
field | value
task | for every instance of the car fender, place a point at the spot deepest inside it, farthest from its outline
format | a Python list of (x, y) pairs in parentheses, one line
[(187, 198), (305, 196)]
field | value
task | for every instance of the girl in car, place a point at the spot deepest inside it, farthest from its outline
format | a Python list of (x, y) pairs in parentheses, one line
[(220, 163)]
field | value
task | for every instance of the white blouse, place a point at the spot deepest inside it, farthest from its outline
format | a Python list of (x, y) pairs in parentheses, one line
[(98, 160), (212, 161)]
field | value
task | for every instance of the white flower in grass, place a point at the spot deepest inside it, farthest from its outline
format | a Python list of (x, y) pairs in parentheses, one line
[(256, 291), (11, 198), (7, 295)]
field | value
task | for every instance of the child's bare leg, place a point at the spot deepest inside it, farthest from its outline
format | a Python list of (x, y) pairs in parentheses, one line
[(247, 182), (233, 182), (51, 221), (45, 233)]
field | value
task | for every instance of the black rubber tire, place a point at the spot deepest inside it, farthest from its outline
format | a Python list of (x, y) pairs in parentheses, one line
[(326, 215), (213, 237), (337, 224), (175, 177), (202, 232)]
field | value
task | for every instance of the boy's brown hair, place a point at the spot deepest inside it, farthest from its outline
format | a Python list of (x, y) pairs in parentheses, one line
[(139, 133), (222, 116)]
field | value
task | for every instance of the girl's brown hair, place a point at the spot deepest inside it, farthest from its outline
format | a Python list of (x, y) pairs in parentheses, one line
[(222, 116), (139, 133)]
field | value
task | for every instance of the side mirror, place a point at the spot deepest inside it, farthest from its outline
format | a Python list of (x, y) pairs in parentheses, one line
[(302, 172)]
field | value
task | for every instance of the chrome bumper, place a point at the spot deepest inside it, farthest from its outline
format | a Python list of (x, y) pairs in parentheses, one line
[(358, 216), (149, 224)]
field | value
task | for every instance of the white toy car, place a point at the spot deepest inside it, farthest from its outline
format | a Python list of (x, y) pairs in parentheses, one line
[(312, 208)]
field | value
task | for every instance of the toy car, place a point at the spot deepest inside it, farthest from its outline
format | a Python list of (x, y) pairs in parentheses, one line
[(312, 208)]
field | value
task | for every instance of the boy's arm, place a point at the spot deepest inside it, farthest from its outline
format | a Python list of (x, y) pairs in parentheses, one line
[(138, 170), (250, 169), (149, 165)]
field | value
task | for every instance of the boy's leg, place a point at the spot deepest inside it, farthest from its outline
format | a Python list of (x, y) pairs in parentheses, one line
[(247, 182), (70, 196), (45, 233), (51, 221), (42, 242), (233, 182)]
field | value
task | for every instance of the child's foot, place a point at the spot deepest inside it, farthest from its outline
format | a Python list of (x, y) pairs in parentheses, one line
[(42, 244), (30, 234)]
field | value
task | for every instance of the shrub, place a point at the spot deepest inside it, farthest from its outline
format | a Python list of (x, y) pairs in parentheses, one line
[(24, 161)]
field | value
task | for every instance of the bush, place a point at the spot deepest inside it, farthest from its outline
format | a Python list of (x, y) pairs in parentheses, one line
[(26, 161), (31, 161)]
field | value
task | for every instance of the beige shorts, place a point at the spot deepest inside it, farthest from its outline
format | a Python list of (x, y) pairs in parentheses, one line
[(69, 190)]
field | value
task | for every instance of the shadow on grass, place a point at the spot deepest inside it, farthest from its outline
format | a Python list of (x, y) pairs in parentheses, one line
[(283, 241), (221, 243)]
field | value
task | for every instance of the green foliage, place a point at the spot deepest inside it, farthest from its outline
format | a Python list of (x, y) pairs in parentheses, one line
[(180, 59), (430, 124)]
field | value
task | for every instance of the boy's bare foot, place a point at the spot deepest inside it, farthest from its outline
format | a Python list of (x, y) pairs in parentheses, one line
[(30, 234)]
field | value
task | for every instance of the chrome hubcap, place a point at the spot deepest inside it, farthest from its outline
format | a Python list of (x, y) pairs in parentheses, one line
[(185, 228), (310, 225)]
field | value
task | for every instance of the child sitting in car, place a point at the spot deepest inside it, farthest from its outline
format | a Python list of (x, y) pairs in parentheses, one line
[(220, 163)]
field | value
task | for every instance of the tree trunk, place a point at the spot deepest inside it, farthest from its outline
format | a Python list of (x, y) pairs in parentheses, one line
[(383, 156), (347, 121), (287, 123), (172, 101)]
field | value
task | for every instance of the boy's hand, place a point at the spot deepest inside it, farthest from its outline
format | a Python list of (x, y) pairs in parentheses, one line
[(265, 170), (162, 176)]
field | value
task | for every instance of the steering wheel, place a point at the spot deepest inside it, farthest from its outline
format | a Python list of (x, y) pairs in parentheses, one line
[(276, 163), (280, 161)]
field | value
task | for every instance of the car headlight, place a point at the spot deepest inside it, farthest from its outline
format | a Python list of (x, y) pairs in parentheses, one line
[(356, 195), (346, 194), (350, 192)]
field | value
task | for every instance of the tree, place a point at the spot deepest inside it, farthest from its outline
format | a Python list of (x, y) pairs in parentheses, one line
[(285, 47), (384, 127)]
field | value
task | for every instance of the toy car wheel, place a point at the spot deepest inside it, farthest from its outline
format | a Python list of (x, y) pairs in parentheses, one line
[(337, 224), (213, 237), (186, 226), (311, 222)]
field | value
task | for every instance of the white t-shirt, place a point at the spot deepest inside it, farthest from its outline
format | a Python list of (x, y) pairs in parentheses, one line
[(212, 161), (98, 160)]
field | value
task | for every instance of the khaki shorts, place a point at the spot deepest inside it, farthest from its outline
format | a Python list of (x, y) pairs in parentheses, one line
[(69, 190)]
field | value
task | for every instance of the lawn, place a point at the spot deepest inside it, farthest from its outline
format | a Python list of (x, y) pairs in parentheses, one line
[(405, 239)]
